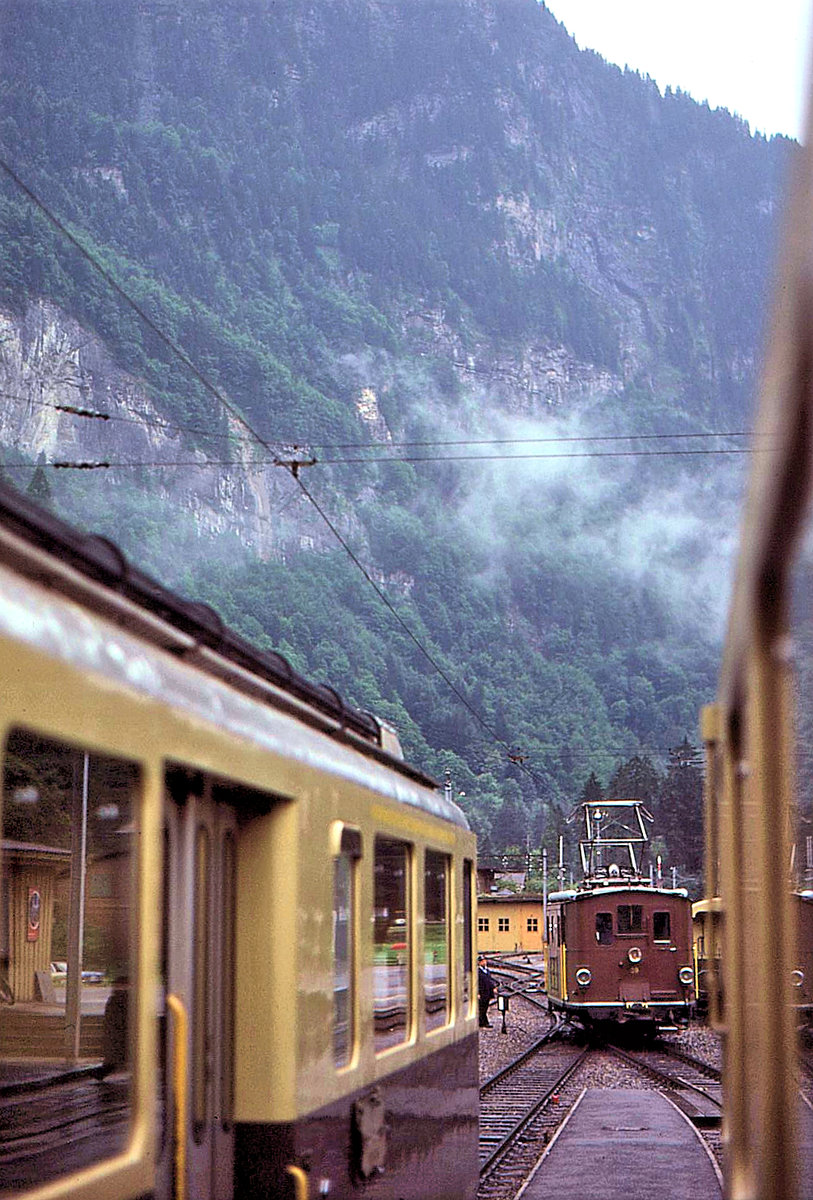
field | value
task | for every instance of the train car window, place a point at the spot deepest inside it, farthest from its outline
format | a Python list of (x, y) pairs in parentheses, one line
[(604, 928), (436, 940), (67, 954), (468, 938), (201, 984), (392, 943), (344, 921), (630, 918), (662, 926)]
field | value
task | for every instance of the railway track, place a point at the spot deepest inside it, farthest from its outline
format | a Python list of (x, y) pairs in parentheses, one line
[(519, 1110), (520, 979), (695, 1086)]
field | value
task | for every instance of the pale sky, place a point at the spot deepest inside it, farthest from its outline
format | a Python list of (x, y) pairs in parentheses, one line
[(749, 56)]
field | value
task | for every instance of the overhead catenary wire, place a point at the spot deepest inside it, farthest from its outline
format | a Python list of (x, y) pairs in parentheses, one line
[(378, 446), (245, 464), (253, 436), (174, 348), (111, 281)]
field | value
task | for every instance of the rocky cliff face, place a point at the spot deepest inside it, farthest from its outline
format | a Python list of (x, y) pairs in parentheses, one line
[(321, 201), (66, 400)]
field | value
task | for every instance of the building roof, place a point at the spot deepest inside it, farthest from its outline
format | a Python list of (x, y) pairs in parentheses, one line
[(509, 898)]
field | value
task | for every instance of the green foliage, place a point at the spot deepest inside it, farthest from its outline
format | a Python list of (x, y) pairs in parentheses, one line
[(293, 200)]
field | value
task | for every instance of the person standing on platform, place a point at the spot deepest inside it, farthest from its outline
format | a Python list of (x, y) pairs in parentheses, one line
[(486, 988)]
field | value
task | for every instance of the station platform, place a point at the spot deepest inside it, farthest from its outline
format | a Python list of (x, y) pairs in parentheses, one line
[(629, 1143)]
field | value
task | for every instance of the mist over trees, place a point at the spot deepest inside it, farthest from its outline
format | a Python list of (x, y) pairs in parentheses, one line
[(449, 206)]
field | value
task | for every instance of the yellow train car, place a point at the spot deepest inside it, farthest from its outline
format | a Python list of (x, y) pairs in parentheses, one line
[(509, 923), (706, 950), (271, 991), (757, 736)]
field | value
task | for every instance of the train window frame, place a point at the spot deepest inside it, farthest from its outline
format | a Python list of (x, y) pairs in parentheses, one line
[(346, 846), (469, 939), (604, 935), (667, 937), (199, 1088), (633, 930), (401, 953), (228, 852), (103, 777), (430, 1027)]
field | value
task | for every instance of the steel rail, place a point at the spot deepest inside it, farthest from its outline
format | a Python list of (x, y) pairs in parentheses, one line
[(674, 1082), (500, 1152)]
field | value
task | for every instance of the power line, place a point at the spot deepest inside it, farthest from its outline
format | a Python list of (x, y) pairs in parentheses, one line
[(513, 753), (540, 457), (109, 279), (278, 461), (174, 348), (159, 423), (417, 642)]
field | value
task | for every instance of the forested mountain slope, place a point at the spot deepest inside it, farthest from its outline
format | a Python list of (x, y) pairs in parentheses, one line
[(372, 222)]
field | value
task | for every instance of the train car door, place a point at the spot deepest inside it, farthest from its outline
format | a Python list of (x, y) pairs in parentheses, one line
[(201, 842)]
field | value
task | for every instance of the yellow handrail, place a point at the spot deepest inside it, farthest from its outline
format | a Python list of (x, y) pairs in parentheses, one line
[(300, 1182), (179, 1077)]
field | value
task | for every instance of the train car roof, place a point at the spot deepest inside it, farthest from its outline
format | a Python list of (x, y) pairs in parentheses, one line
[(186, 656), (583, 893)]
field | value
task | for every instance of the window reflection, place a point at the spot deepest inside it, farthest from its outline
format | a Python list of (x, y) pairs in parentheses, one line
[(342, 959), (66, 949), (391, 936), (436, 940)]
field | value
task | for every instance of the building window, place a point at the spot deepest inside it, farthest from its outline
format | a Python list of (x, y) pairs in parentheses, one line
[(503, 924), (533, 925), (661, 926), (482, 924)]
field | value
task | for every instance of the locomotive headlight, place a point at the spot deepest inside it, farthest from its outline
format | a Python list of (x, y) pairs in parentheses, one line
[(634, 954), (797, 978), (583, 976), (686, 976)]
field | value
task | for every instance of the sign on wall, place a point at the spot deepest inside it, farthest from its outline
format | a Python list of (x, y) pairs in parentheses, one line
[(34, 908)]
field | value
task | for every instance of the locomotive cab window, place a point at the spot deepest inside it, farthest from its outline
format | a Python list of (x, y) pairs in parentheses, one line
[(392, 943), (630, 918), (604, 928), (436, 940), (67, 948), (661, 926), (345, 858)]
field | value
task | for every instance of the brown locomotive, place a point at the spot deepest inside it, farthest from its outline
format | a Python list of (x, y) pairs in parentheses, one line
[(619, 945)]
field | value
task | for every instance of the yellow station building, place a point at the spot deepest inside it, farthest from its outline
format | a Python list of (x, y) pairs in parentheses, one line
[(509, 922)]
